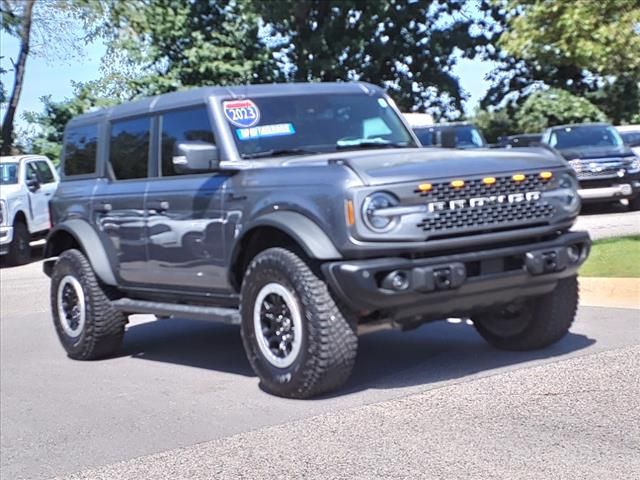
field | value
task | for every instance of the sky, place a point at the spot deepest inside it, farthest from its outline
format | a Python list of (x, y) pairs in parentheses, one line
[(45, 77)]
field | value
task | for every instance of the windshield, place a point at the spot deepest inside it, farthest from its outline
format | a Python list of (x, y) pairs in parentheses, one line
[(425, 135), (8, 173), (467, 136), (631, 138), (585, 136), (299, 124)]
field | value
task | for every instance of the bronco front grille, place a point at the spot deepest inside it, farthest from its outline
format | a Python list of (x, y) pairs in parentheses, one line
[(504, 185), (455, 214)]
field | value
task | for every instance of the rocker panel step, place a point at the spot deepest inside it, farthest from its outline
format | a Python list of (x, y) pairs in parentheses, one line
[(193, 312)]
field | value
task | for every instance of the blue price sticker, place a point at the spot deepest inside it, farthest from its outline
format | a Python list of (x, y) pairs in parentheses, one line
[(241, 113), (275, 130)]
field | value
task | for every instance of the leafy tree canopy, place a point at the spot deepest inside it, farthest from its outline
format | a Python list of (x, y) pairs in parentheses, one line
[(586, 47), (170, 44), (552, 107), (46, 136), (409, 46)]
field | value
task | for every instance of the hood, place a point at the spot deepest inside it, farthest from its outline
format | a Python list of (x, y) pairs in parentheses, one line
[(590, 153), (388, 166)]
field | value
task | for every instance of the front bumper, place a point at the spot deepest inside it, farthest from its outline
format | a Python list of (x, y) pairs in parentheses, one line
[(609, 189), (457, 284), (6, 237)]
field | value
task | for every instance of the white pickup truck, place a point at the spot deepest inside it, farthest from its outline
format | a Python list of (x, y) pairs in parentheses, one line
[(27, 182)]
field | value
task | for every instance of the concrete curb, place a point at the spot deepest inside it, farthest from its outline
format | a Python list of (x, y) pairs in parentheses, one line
[(610, 292)]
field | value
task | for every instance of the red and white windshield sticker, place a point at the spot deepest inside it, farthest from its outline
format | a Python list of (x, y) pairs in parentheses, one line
[(241, 113)]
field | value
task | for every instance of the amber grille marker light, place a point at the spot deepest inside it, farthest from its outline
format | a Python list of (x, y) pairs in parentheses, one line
[(518, 177), (457, 183), (351, 216), (546, 175), (489, 180), (425, 187)]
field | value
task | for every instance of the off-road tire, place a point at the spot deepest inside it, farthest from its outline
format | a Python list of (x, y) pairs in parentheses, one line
[(104, 326), (634, 203), (19, 249), (329, 341), (545, 319)]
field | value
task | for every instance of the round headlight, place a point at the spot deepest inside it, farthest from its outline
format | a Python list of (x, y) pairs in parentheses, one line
[(577, 165), (634, 165), (567, 180), (374, 203)]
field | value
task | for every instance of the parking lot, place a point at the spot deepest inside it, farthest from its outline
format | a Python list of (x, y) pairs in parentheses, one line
[(179, 383)]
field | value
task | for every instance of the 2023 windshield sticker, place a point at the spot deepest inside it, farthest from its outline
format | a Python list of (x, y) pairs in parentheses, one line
[(241, 113), (275, 130)]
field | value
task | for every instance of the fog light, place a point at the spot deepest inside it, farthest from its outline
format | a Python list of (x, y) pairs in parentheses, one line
[(573, 253), (396, 280)]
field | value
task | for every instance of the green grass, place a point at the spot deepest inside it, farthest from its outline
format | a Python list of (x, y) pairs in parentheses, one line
[(613, 257)]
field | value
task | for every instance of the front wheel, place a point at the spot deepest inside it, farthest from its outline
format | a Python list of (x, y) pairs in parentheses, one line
[(296, 338), (87, 324), (634, 203), (20, 248), (534, 323)]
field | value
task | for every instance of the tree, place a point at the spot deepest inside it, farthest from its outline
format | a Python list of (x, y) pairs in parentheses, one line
[(552, 107), (495, 123), (17, 20), (601, 37), (44, 28), (46, 138), (171, 44), (408, 46), (586, 47)]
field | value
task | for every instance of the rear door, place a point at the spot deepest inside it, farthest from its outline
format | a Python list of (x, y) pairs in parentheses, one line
[(118, 200), (185, 241)]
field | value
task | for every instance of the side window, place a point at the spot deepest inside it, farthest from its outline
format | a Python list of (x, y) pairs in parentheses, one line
[(129, 148), (44, 172), (80, 150), (189, 125), (32, 171)]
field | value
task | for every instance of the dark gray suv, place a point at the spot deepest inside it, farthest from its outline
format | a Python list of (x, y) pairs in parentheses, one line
[(305, 213)]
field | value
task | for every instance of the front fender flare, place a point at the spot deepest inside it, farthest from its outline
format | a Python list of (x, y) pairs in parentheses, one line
[(90, 244), (313, 240)]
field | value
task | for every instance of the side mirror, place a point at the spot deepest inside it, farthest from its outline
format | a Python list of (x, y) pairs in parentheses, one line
[(192, 157), (33, 184), (448, 138)]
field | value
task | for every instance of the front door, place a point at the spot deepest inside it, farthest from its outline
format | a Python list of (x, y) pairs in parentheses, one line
[(38, 200), (185, 214)]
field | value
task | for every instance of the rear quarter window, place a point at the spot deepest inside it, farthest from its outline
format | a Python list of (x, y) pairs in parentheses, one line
[(81, 147)]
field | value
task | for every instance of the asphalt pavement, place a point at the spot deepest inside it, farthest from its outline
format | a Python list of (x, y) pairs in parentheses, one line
[(180, 401), (605, 221)]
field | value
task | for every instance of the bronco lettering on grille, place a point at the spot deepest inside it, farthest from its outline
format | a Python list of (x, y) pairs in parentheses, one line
[(475, 202)]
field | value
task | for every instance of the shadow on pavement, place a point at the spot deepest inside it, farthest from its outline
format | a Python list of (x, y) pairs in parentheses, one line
[(36, 255), (438, 351), (603, 208)]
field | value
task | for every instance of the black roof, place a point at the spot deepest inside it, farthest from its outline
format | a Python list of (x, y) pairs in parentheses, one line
[(199, 95)]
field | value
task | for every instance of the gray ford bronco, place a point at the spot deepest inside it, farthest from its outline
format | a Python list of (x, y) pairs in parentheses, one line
[(306, 214)]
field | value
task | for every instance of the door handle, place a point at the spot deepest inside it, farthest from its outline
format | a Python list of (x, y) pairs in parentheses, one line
[(103, 207), (159, 206)]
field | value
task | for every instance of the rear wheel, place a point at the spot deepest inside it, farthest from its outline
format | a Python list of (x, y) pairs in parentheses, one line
[(533, 323), (20, 248), (86, 323), (296, 338)]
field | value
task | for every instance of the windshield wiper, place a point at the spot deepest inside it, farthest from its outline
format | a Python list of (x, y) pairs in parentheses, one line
[(373, 144), (280, 152)]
